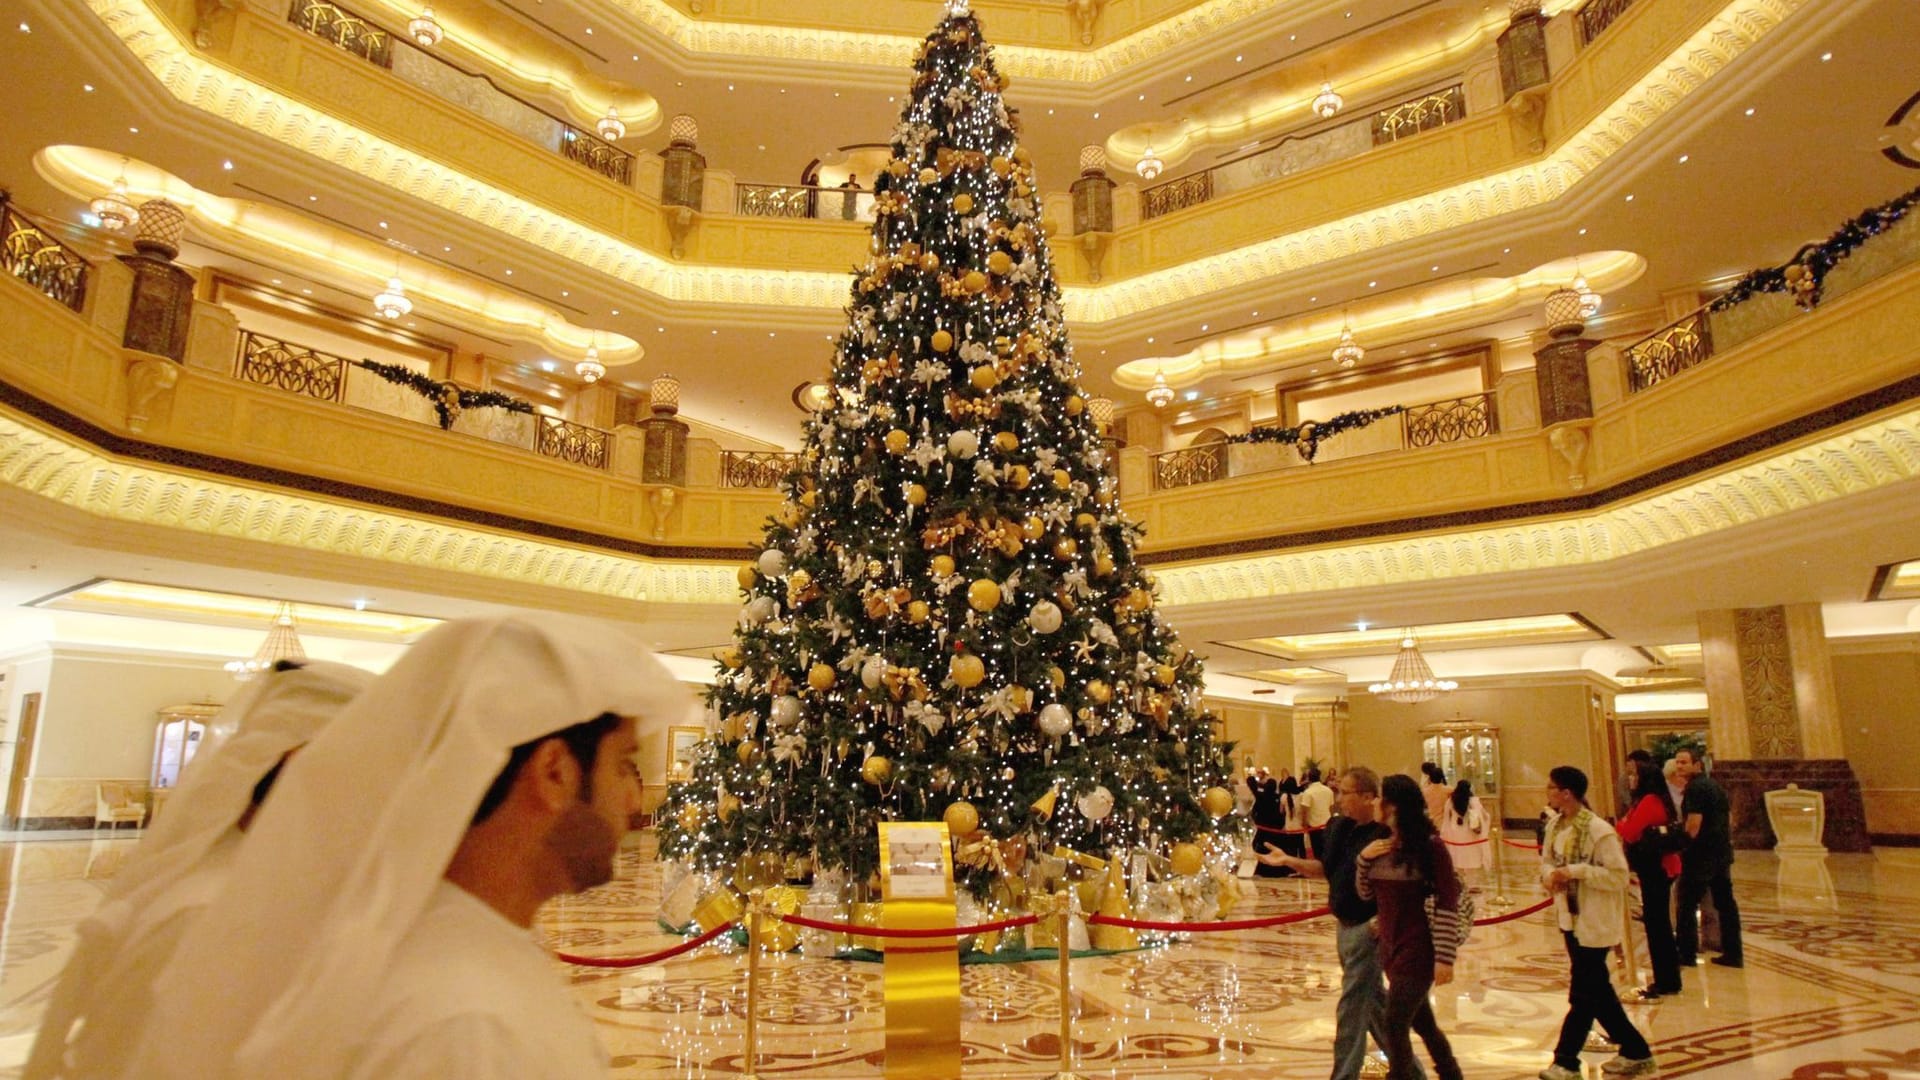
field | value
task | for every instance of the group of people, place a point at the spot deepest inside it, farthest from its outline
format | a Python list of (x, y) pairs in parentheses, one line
[(344, 883), (1402, 856), (1289, 815)]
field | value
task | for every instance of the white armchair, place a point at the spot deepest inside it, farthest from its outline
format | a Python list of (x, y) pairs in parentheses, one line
[(115, 803)]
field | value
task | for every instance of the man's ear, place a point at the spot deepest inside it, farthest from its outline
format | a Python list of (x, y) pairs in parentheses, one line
[(552, 776)]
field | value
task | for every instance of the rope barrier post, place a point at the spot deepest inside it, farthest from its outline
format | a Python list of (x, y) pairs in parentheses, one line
[(751, 1059), (1063, 900), (1629, 953), (1500, 900)]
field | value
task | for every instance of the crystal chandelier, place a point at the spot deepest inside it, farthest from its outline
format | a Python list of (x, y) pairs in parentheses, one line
[(1589, 300), (1149, 165), (589, 366), (957, 9), (1412, 679), (282, 643), (610, 126), (114, 209), (1327, 102), (1348, 352), (1159, 395), (393, 302), (425, 30)]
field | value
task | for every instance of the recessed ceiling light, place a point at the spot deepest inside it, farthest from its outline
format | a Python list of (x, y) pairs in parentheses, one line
[(616, 311), (1434, 269), (564, 292), (661, 329), (88, 87), (1684, 157), (1506, 251), (1293, 37), (589, 29), (1049, 111), (1629, 198), (136, 131), (1749, 111), (729, 88), (1203, 326), (1583, 230), (1096, 116), (548, 365), (383, 224), (1149, 341), (783, 89), (1239, 58), (446, 247), (715, 333), (836, 93), (306, 292), (276, 281), (1313, 299), (1373, 284), (769, 333), (763, 146), (25, 29), (1825, 56), (509, 273), (227, 165), (411, 324), (1255, 315), (1189, 78), (1143, 97), (313, 198)]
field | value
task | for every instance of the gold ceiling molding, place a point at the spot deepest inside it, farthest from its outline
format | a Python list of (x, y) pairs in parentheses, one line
[(1873, 455), (203, 85), (82, 478)]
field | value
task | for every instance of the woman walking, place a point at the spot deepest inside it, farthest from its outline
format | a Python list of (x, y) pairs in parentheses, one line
[(1464, 826), (1653, 834), (1585, 868), (1399, 872)]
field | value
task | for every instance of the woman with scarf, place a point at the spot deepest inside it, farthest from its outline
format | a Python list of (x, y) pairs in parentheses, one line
[(1653, 835), (1584, 867), (1399, 873)]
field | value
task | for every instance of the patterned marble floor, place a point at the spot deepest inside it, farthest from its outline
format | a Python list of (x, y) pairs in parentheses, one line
[(1831, 990)]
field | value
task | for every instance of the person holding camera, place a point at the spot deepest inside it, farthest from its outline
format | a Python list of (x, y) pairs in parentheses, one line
[(1653, 834)]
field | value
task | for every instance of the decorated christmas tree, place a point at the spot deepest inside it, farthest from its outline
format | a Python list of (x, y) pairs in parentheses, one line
[(948, 619)]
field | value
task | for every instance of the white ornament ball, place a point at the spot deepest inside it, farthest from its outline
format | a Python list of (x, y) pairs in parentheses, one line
[(786, 711), (1045, 617), (1055, 720), (871, 672), (758, 611), (1096, 804), (773, 562), (963, 444)]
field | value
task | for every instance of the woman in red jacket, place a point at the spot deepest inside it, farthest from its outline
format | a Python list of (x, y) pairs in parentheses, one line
[(1399, 872), (1649, 831)]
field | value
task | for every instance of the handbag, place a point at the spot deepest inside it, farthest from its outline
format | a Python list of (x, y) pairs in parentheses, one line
[(1463, 924)]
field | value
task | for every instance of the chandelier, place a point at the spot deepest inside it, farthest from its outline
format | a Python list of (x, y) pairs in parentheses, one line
[(1412, 679), (1327, 102), (1348, 352), (1149, 165), (1159, 395), (282, 643), (589, 366), (114, 209), (426, 32), (610, 126), (1589, 300), (392, 302), (957, 9)]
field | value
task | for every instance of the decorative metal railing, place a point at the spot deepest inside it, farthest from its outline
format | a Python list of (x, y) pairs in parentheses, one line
[(1420, 114), (1454, 420), (293, 368), (31, 254), (1315, 146), (1596, 16), (801, 201), (1194, 465), (349, 31), (597, 154), (1669, 351), (578, 443), (755, 468)]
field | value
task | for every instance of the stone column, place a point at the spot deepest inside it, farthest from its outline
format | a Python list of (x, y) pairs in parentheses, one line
[(1523, 48), (1773, 719), (1320, 733)]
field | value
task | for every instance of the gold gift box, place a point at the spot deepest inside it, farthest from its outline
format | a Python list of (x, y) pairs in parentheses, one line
[(774, 935), (721, 906), (866, 915)]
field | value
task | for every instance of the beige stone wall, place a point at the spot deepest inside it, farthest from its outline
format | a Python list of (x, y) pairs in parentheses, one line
[(1879, 698), (1264, 733)]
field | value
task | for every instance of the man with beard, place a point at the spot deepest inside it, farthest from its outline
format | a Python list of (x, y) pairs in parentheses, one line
[(378, 922)]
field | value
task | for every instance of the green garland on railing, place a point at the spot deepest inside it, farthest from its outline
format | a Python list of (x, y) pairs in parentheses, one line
[(1804, 276), (448, 399), (1308, 436)]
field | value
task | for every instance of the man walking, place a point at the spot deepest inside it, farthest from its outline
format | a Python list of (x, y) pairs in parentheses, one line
[(1363, 990), (1706, 866)]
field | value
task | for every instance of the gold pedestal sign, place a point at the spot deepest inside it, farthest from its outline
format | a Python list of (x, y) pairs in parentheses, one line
[(922, 975)]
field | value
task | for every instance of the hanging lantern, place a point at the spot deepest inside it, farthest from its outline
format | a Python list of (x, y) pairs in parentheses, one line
[(1101, 409), (393, 303), (664, 394), (114, 209), (1159, 395), (1149, 165), (610, 126), (589, 367), (1326, 103), (1093, 161), (1348, 352), (426, 32), (1566, 313)]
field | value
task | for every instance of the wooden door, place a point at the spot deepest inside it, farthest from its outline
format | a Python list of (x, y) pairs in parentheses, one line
[(23, 755)]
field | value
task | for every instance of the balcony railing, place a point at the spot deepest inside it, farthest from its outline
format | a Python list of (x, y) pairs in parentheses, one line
[(803, 201), (293, 368), (755, 468), (31, 254), (1450, 421), (578, 443), (1193, 465), (1669, 351), (469, 90), (1306, 150), (1596, 16)]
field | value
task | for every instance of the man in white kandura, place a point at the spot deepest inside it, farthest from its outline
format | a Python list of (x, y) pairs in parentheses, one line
[(104, 993), (378, 921)]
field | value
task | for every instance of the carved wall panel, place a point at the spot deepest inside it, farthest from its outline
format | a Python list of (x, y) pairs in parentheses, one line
[(1766, 677)]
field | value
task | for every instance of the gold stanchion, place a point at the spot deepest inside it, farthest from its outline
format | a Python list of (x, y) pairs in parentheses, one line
[(1629, 953), (1063, 902), (1499, 840), (756, 904)]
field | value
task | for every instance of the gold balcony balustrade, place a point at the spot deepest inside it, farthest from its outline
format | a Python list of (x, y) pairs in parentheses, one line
[(577, 443), (31, 254), (1418, 115), (1452, 420), (755, 468), (1669, 351), (1596, 16), (294, 368), (354, 33), (1193, 465), (803, 202)]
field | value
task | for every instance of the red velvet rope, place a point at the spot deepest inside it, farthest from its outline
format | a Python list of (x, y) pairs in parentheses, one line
[(1521, 844), (1512, 915), (650, 958), (931, 932), (1464, 843), (1181, 927), (1288, 832)]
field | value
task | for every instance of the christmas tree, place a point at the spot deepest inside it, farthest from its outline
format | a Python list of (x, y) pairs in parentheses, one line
[(948, 619)]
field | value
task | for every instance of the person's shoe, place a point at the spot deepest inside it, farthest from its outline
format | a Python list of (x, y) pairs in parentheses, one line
[(1625, 1066), (1689, 961), (1730, 961), (1557, 1071), (1649, 993)]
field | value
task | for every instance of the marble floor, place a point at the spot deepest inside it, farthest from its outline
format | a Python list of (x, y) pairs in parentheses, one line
[(1831, 990)]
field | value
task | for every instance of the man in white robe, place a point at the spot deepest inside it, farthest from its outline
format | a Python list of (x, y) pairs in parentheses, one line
[(377, 921), (104, 993)]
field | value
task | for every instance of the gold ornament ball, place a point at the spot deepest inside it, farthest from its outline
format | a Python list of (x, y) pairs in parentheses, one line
[(916, 495), (1099, 692), (983, 595), (729, 806), (729, 657), (820, 676), (966, 671), (1018, 477), (1085, 521), (1140, 600), (1076, 404), (962, 818), (1057, 677), (918, 611), (930, 262), (1187, 859), (1000, 166), (928, 175), (1062, 478), (898, 441), (747, 575), (1033, 528), (798, 581), (1065, 548), (1217, 802), (809, 499), (984, 377), (942, 565), (1163, 674), (1000, 262), (942, 341), (1103, 565), (690, 816), (974, 282), (877, 770), (1021, 156), (962, 203), (1006, 441), (748, 753)]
